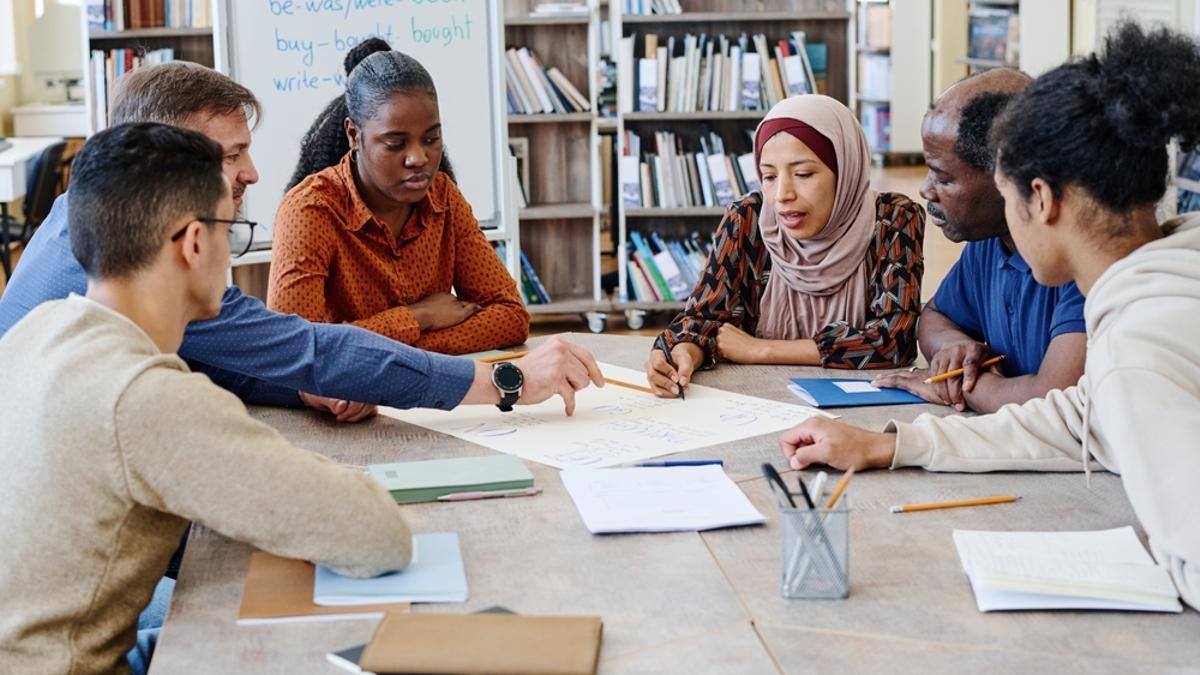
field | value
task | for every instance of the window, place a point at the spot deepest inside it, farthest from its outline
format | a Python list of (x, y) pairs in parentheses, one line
[(8, 39)]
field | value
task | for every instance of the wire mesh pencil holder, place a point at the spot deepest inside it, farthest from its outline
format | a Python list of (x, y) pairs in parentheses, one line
[(815, 561)]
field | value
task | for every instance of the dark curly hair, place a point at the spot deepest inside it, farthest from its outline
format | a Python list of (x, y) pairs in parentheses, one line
[(325, 143), (975, 123), (1103, 122)]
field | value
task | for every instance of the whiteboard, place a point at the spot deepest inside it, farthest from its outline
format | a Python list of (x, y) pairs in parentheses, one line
[(289, 53)]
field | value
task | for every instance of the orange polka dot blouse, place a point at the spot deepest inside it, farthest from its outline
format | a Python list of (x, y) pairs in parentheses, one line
[(334, 262)]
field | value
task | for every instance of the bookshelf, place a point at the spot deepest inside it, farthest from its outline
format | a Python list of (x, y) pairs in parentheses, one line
[(198, 43), (562, 223), (893, 73), (826, 22)]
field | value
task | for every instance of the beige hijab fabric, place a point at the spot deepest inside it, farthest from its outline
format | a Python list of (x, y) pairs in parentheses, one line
[(822, 280)]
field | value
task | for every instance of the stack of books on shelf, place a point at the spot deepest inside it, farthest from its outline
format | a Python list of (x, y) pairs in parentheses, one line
[(665, 269), (670, 176), (107, 66), (644, 7), (713, 73), (530, 286), (876, 119), (533, 89), (130, 14), (545, 9), (993, 34), (875, 26)]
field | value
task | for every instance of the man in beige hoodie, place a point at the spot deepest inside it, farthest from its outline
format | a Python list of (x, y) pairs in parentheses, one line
[(109, 445), (1081, 164)]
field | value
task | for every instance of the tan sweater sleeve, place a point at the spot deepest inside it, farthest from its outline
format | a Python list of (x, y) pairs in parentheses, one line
[(190, 448), (1043, 434)]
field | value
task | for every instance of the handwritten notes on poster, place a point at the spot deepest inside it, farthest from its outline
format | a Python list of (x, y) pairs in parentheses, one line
[(613, 425)]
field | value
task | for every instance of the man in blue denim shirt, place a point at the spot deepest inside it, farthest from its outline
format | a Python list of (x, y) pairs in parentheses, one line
[(989, 303), (262, 356)]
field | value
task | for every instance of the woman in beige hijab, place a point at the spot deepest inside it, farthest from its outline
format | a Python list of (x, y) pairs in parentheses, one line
[(816, 269)]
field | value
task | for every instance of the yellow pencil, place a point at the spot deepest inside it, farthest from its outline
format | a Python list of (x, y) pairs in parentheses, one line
[(841, 487), (629, 385), (908, 508), (508, 356), (959, 371)]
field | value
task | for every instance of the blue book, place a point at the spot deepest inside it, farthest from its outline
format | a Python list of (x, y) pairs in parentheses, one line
[(435, 575), (838, 392)]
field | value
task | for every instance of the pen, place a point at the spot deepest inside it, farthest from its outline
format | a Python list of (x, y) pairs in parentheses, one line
[(507, 356), (662, 346), (469, 496), (817, 489), (684, 462), (908, 508), (959, 371)]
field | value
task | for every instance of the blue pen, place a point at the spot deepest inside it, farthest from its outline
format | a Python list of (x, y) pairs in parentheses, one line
[(684, 462)]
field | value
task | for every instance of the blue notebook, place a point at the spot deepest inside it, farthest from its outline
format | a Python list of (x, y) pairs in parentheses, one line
[(838, 392), (435, 575)]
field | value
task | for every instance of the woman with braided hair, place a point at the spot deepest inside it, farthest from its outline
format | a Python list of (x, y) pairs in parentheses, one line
[(379, 235)]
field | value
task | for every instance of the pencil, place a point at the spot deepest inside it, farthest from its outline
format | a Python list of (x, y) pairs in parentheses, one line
[(502, 357), (841, 487), (908, 508), (629, 385), (959, 371)]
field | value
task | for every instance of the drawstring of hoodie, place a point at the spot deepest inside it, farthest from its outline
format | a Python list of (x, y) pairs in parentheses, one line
[(1087, 440)]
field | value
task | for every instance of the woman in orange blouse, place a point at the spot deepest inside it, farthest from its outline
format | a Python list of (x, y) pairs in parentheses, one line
[(379, 238), (817, 269)]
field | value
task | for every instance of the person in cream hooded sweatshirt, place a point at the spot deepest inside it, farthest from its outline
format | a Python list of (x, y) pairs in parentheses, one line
[(1082, 163)]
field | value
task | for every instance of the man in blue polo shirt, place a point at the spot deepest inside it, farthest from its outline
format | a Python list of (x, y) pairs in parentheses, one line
[(989, 304)]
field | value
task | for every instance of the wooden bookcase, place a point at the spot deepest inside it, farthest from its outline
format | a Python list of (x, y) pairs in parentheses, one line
[(824, 21), (909, 75), (561, 225)]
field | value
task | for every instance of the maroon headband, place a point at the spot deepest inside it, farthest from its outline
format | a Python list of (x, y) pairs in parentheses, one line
[(803, 133)]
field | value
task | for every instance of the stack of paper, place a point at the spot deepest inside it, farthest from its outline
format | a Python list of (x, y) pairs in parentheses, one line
[(685, 498), (435, 575), (1108, 569), (411, 482), (280, 590)]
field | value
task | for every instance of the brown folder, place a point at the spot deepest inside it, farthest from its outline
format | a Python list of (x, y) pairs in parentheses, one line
[(490, 644), (280, 589)]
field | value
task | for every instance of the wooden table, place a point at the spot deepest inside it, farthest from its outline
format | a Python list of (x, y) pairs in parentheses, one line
[(709, 603)]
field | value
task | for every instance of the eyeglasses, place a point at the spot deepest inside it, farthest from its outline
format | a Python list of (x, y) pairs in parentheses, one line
[(239, 239)]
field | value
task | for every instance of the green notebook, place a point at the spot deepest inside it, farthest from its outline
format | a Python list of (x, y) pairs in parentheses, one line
[(411, 482)]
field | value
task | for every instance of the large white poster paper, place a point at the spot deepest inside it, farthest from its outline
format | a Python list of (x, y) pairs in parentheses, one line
[(613, 425)]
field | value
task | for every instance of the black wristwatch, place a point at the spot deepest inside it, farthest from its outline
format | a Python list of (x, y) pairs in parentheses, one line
[(509, 380)]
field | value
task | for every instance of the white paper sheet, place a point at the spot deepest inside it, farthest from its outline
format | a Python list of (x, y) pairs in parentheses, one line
[(685, 498), (1107, 569), (613, 425), (852, 387)]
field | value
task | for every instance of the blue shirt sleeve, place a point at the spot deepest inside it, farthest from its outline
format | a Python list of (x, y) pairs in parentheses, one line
[(339, 361), (48, 269), (1068, 312), (955, 297), (262, 356)]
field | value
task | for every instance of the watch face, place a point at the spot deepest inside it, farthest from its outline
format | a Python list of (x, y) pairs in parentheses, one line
[(508, 377)]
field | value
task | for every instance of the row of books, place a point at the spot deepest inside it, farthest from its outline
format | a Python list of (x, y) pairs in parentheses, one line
[(665, 269), (672, 176), (645, 7), (129, 14), (713, 73), (107, 66), (876, 119), (534, 89), (875, 76), (875, 25), (531, 288)]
